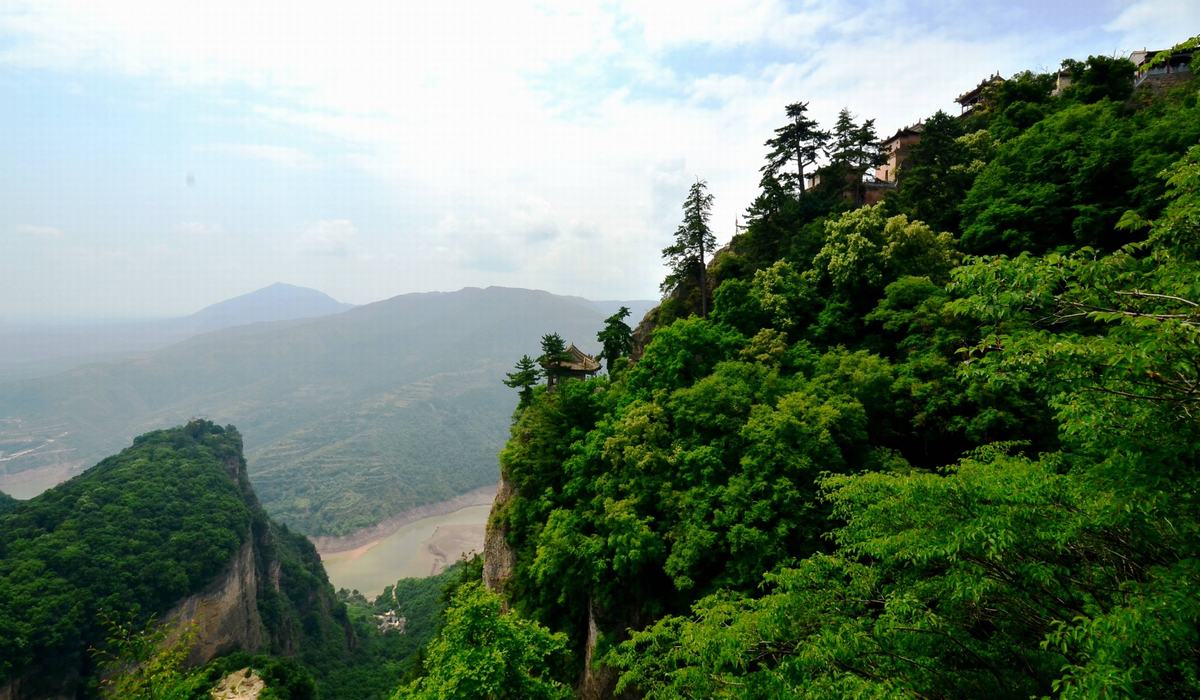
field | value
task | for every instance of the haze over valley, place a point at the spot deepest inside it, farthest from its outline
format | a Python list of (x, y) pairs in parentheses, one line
[(599, 350), (349, 418)]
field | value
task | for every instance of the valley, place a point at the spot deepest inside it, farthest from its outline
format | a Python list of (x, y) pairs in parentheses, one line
[(349, 418), (424, 547), (419, 542)]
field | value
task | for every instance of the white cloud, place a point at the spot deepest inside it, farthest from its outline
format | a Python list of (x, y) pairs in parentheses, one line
[(553, 142), (334, 237), (286, 156), (38, 231), (1156, 24), (196, 228)]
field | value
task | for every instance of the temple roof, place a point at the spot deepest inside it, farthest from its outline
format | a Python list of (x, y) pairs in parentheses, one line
[(580, 361), (914, 130), (971, 96)]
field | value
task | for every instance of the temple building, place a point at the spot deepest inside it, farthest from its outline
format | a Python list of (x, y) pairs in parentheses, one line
[(977, 95), (897, 148), (580, 366), (1175, 68)]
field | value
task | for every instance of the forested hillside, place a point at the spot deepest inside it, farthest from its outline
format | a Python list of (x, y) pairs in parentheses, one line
[(941, 446), (171, 518), (349, 418)]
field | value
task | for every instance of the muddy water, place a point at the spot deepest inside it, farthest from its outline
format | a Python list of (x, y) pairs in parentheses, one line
[(420, 548)]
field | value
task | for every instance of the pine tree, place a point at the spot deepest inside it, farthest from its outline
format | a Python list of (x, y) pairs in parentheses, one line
[(524, 378), (554, 354), (853, 150), (616, 337), (799, 140), (693, 241)]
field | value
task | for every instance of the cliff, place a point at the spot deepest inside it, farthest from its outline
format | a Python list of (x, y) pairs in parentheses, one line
[(498, 556), (170, 527)]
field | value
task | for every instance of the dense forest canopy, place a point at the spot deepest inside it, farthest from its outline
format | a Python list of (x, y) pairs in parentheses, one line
[(132, 535), (124, 542), (940, 446)]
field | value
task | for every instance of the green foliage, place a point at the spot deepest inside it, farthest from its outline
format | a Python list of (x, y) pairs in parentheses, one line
[(381, 659), (1099, 78), (800, 140), (1004, 575), (616, 338), (681, 353), (7, 502), (936, 174), (483, 652), (864, 251), (1068, 179), (524, 378), (1013, 105), (126, 541), (853, 150), (143, 663), (881, 469), (693, 241), (130, 536)]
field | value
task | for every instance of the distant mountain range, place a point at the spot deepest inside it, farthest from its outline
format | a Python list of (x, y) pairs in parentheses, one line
[(31, 350), (278, 302), (348, 418)]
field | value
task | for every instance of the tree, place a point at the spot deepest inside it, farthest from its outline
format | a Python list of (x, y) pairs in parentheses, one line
[(524, 378), (693, 240), (935, 176), (616, 337), (854, 150), (483, 652), (799, 140), (554, 354), (1098, 78), (144, 662)]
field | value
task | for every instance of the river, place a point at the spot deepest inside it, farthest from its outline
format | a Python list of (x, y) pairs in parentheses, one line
[(420, 548)]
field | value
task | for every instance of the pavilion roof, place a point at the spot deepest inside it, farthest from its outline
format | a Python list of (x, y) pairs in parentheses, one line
[(579, 361), (973, 94)]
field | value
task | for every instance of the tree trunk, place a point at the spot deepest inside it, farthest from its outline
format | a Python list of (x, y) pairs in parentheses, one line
[(800, 167)]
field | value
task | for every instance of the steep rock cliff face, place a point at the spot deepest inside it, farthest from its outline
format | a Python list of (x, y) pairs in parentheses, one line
[(498, 556), (596, 682), (225, 614), (183, 503)]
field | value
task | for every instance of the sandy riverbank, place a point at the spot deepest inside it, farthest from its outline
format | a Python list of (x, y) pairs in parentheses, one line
[(358, 542), (417, 549)]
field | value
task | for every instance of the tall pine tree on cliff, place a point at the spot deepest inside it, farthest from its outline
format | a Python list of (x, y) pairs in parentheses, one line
[(693, 241), (799, 140)]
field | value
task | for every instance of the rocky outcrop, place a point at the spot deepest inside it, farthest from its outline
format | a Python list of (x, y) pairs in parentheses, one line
[(642, 333), (225, 614), (596, 682), (498, 556), (244, 684)]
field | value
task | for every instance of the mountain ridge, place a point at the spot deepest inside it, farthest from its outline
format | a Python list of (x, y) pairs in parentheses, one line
[(29, 351), (409, 383), (168, 527)]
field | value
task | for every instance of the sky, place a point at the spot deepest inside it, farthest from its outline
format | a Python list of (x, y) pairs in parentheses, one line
[(159, 156)]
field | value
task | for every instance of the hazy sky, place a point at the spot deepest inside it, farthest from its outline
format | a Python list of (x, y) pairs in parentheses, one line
[(159, 156)]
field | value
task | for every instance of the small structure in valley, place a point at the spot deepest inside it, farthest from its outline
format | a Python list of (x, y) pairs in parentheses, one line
[(575, 364), (389, 621)]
